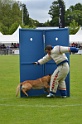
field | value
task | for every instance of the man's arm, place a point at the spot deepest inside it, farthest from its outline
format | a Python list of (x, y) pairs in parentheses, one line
[(63, 49), (45, 59)]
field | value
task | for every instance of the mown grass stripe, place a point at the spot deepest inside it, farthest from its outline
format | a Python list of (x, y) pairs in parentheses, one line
[(41, 106)]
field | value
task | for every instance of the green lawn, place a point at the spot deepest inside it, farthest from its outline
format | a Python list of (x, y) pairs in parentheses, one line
[(39, 110)]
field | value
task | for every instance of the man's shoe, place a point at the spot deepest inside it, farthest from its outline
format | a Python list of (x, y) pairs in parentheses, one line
[(64, 96), (50, 95)]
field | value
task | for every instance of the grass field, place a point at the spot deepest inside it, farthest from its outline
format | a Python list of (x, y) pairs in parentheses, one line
[(39, 110)]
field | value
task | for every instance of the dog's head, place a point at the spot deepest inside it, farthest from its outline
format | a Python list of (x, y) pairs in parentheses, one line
[(50, 75), (47, 78)]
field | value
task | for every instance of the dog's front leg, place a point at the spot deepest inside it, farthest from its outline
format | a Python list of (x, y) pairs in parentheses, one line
[(46, 90)]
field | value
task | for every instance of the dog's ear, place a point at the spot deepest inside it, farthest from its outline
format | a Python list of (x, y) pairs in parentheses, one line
[(49, 74)]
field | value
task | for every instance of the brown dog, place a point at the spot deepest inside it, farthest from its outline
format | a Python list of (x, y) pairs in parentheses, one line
[(34, 84)]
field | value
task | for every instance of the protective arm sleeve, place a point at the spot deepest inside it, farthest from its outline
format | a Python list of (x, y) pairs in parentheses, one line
[(45, 59), (68, 49), (74, 49)]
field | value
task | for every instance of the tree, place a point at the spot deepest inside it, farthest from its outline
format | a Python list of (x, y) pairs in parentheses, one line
[(33, 23), (77, 6), (9, 14), (74, 13), (13, 27), (73, 27), (25, 15), (6, 17), (16, 13), (54, 12), (47, 23)]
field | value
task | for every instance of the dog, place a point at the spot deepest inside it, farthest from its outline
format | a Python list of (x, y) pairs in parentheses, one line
[(34, 84)]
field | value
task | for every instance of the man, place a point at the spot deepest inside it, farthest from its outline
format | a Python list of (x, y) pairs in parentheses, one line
[(57, 53)]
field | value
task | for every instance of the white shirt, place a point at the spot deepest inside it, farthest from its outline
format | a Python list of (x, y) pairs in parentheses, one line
[(57, 54)]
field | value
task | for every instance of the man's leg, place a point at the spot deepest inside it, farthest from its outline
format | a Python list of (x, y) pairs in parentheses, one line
[(58, 78), (53, 83), (62, 88), (63, 74)]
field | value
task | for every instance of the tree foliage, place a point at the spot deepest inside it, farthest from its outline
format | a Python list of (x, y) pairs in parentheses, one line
[(12, 14), (54, 12), (73, 15), (25, 15), (74, 27), (9, 14)]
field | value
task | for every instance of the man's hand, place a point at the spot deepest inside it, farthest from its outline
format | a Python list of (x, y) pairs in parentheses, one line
[(36, 63)]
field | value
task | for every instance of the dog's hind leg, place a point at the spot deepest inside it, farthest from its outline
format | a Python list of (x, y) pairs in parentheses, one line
[(25, 88)]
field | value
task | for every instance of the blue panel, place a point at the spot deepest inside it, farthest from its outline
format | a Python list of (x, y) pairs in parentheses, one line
[(32, 44), (49, 67), (31, 49), (57, 37), (31, 72)]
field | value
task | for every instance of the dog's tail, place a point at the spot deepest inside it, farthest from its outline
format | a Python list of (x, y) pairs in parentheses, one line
[(18, 89)]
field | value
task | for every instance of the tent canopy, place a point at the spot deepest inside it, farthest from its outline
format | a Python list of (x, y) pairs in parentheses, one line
[(14, 38), (1, 34), (77, 37)]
